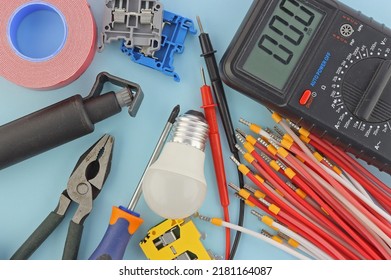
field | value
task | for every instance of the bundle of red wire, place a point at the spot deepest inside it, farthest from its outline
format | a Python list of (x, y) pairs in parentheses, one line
[(322, 195)]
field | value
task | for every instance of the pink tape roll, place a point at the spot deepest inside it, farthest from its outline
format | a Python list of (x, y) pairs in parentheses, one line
[(66, 63)]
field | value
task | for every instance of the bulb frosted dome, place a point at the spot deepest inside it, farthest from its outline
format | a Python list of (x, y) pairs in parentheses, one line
[(174, 186)]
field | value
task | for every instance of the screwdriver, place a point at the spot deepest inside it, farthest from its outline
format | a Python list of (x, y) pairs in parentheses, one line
[(217, 153), (124, 222)]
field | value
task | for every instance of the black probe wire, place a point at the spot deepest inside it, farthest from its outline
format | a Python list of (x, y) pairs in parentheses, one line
[(218, 89), (242, 205)]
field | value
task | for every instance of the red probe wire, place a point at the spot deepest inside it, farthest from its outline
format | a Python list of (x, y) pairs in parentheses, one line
[(214, 139)]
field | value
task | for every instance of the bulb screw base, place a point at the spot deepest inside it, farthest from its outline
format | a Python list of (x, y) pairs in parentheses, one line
[(191, 129)]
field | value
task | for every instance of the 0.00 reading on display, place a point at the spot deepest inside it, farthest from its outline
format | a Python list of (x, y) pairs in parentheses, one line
[(282, 42)]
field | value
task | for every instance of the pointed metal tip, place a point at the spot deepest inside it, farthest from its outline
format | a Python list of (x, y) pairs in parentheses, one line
[(203, 76), (200, 24)]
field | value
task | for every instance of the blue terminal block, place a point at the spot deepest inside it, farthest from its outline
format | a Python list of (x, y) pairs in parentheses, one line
[(175, 30)]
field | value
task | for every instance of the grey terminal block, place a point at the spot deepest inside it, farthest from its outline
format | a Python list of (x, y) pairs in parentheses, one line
[(138, 22)]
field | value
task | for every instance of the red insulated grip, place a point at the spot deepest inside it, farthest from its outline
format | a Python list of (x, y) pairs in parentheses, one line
[(214, 137)]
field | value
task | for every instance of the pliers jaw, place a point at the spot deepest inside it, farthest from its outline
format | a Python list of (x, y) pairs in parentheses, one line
[(84, 185), (89, 176)]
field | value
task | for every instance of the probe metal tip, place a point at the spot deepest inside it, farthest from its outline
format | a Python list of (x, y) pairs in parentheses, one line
[(203, 75), (200, 25)]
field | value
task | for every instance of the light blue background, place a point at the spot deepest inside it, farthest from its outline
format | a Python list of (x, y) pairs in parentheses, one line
[(30, 190)]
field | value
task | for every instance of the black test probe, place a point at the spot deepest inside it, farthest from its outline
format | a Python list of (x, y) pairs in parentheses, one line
[(218, 89)]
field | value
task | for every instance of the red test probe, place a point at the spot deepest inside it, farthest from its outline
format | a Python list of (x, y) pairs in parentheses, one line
[(214, 138)]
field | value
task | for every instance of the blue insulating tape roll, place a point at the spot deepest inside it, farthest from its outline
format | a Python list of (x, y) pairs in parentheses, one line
[(33, 43)]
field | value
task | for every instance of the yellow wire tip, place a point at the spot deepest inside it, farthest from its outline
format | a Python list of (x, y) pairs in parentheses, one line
[(217, 222), (276, 117)]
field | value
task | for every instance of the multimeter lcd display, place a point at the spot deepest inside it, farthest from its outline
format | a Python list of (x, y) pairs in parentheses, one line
[(282, 42)]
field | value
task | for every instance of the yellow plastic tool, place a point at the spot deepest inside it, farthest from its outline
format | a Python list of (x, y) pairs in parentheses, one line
[(174, 240)]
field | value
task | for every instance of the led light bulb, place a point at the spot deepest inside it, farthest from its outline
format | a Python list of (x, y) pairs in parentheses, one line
[(174, 186)]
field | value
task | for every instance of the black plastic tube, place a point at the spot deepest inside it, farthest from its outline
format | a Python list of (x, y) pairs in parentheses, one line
[(53, 126)]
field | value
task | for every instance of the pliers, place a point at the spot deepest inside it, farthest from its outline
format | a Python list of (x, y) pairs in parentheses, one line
[(84, 185)]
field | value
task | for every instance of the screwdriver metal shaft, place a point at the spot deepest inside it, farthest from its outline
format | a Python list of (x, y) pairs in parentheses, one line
[(159, 146), (124, 222)]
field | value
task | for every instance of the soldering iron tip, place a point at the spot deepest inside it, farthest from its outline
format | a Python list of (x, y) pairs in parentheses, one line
[(200, 25)]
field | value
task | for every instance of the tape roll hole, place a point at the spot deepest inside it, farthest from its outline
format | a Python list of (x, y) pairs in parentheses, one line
[(37, 31)]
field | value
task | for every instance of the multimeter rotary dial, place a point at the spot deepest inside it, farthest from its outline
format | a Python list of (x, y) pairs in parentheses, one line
[(366, 89)]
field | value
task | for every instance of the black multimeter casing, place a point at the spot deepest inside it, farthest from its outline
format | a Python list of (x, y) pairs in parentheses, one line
[(369, 138)]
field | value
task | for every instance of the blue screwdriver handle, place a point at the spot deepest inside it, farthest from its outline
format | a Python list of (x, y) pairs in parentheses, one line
[(123, 224)]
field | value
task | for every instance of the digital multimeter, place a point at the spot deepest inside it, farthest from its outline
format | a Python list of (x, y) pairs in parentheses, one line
[(323, 65)]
